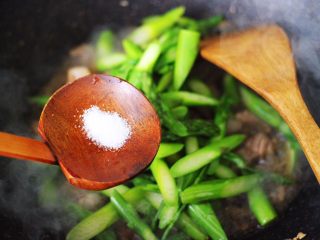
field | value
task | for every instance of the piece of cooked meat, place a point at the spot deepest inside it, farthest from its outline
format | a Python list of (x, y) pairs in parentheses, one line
[(256, 146), (247, 123)]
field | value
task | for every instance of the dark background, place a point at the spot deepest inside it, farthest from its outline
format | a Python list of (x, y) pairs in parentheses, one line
[(35, 37)]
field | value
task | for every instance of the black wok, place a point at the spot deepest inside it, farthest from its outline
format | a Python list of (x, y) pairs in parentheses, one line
[(35, 37)]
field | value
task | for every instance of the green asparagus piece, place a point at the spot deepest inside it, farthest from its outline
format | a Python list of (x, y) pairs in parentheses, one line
[(110, 61), (187, 51), (152, 29), (167, 118), (102, 219), (165, 69), (190, 228), (165, 182), (132, 50), (140, 76), (169, 38), (129, 214), (199, 87), (229, 142), (164, 81), (292, 161), (205, 217), (123, 71), (235, 159), (200, 127), (221, 171), (188, 99), (188, 23), (202, 25), (166, 215), (168, 189), (223, 110), (264, 111), (192, 145), (122, 189), (221, 188), (231, 90), (184, 222), (221, 117), (40, 100), (104, 44), (149, 57), (198, 159), (167, 57), (260, 108), (180, 112), (150, 19), (261, 206), (206, 24), (167, 149), (194, 161)]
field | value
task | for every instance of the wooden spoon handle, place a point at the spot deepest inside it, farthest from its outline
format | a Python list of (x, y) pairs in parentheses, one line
[(25, 148), (293, 109)]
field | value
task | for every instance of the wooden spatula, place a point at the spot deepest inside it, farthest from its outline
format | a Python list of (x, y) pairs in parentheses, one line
[(262, 59)]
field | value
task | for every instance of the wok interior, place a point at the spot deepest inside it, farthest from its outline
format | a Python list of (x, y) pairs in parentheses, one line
[(37, 37)]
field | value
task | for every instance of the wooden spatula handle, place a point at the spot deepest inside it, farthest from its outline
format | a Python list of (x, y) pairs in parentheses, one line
[(293, 109), (25, 148)]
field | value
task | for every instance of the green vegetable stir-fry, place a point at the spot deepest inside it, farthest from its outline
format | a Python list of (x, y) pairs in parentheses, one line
[(197, 161)]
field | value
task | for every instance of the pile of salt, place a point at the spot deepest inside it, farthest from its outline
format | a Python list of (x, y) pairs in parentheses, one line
[(106, 129)]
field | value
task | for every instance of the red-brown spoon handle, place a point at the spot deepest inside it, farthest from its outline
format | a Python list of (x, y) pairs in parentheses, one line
[(25, 148)]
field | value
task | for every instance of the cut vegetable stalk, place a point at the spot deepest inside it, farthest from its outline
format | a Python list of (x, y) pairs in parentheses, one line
[(180, 112), (199, 87), (184, 222), (129, 214), (152, 29), (104, 44), (149, 57), (166, 58), (110, 61), (122, 189), (165, 182), (192, 145), (264, 111), (168, 149), (205, 217), (205, 25), (164, 81), (216, 189), (194, 161), (187, 51), (231, 89), (132, 50), (204, 156), (221, 171), (102, 219), (188, 99), (40, 100), (166, 215), (261, 206)]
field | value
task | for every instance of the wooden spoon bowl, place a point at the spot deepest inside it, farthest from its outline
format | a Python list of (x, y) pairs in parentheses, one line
[(85, 164)]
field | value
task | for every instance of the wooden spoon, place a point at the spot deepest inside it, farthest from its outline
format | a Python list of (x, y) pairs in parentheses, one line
[(85, 164), (262, 59)]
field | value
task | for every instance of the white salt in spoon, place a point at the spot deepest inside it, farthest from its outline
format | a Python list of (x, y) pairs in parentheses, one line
[(100, 130)]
